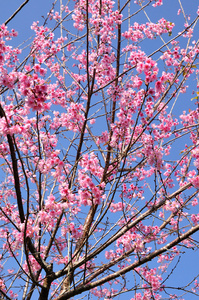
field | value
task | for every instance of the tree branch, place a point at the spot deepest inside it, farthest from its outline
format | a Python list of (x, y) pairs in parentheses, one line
[(16, 12)]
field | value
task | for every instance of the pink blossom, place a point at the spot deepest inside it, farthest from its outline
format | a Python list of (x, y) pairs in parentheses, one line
[(158, 87), (195, 181)]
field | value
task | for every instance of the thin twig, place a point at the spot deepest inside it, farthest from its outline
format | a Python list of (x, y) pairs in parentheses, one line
[(16, 12)]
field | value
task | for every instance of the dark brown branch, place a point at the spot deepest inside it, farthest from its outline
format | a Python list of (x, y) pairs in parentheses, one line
[(125, 270), (124, 229), (16, 178), (4, 294), (47, 283), (16, 12), (15, 171), (92, 211)]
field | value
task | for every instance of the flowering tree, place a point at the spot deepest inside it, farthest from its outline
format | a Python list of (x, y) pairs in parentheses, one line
[(99, 155)]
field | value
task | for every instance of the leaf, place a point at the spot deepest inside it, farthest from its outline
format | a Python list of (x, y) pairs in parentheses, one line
[(197, 93), (194, 98)]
